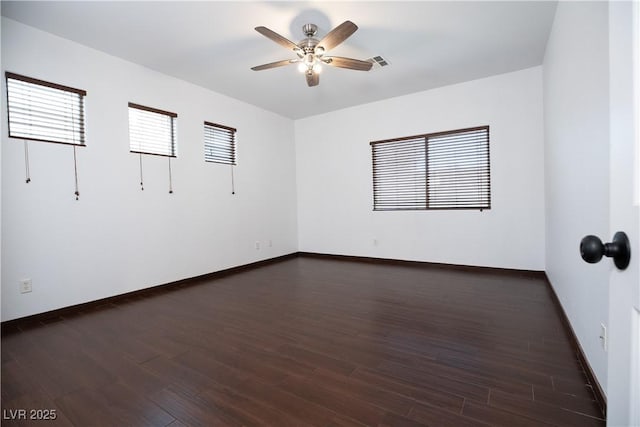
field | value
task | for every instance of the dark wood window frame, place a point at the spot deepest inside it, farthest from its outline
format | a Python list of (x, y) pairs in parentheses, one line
[(434, 171), (44, 114), (144, 146), (219, 143)]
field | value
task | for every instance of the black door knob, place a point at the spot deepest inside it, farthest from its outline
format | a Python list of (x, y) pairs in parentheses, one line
[(592, 249)]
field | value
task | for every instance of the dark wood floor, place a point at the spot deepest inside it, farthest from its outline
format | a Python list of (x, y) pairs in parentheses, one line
[(305, 342)]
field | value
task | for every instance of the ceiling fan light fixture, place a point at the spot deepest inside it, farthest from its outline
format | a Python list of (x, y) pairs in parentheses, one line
[(309, 59), (302, 67)]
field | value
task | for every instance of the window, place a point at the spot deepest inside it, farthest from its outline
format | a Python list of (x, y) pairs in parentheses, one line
[(444, 170), (219, 144), (152, 131), (399, 174), (43, 111)]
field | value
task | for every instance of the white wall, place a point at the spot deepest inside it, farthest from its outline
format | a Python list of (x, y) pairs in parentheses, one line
[(576, 105), (335, 182), (117, 238)]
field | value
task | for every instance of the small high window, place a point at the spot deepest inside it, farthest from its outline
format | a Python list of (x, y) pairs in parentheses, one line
[(219, 144), (152, 131), (44, 111)]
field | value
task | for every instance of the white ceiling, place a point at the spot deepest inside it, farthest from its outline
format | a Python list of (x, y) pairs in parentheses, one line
[(213, 44)]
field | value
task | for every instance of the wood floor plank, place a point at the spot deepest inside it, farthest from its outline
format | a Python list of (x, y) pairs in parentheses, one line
[(56, 362), (16, 381), (308, 342), (283, 399), (177, 375), (422, 393), (395, 420), (576, 388), (385, 399), (420, 378), (192, 410), (432, 416), (317, 360), (494, 369), (113, 405), (343, 403), (213, 370), (498, 417), (567, 401), (548, 413), (247, 410)]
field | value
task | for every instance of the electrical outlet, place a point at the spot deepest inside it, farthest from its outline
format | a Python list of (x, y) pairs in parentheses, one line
[(25, 286), (270, 243), (603, 336), (375, 242), (257, 245)]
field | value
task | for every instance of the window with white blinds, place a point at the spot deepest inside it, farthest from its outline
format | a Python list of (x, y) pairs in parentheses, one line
[(444, 170), (399, 174), (152, 131), (44, 111), (219, 143)]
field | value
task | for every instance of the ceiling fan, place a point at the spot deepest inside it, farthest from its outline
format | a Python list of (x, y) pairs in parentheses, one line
[(311, 51)]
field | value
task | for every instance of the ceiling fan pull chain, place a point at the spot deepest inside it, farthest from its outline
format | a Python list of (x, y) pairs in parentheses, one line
[(141, 179), (26, 162), (75, 171), (170, 181)]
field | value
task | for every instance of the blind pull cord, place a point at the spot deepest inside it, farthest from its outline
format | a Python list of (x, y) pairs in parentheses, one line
[(233, 185), (75, 170), (26, 162), (75, 160), (170, 181), (141, 179)]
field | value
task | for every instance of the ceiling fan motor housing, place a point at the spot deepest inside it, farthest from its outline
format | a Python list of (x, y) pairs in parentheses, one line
[(308, 45), (310, 30)]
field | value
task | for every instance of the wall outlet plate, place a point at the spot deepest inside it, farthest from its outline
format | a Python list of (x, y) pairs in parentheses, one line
[(25, 286), (603, 336)]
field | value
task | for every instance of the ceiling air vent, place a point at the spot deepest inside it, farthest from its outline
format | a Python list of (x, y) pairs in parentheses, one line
[(378, 62)]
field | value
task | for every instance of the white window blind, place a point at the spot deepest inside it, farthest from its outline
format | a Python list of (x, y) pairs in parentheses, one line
[(44, 111), (152, 131), (399, 175), (219, 143), (445, 170), (458, 170)]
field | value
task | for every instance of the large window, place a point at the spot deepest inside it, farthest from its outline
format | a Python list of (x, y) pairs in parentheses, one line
[(444, 170), (44, 111), (152, 131), (219, 143)]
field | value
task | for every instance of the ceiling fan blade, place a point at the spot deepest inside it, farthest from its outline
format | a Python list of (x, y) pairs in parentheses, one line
[(350, 63), (338, 35), (282, 41), (274, 64), (313, 79)]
